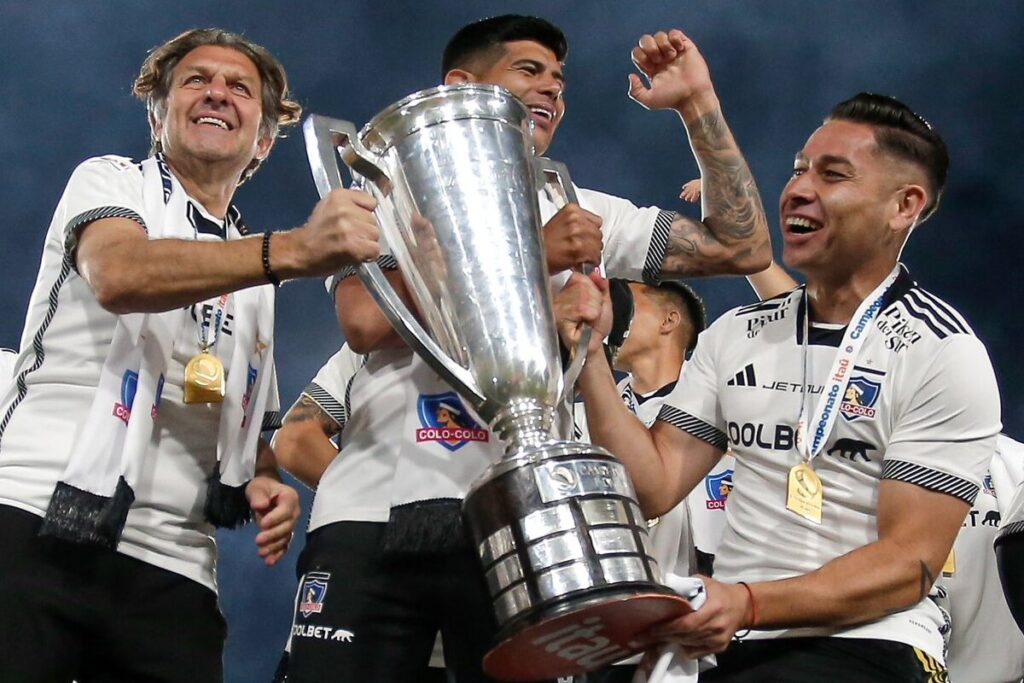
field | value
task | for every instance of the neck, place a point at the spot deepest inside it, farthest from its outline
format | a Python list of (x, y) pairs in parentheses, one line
[(835, 300), (210, 184), (652, 371)]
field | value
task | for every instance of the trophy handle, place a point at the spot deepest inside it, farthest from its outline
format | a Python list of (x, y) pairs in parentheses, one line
[(325, 138), (557, 173)]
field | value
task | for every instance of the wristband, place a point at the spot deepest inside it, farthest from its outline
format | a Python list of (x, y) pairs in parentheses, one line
[(267, 270)]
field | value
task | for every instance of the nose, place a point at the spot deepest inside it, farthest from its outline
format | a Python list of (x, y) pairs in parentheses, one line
[(552, 88), (217, 91), (799, 189)]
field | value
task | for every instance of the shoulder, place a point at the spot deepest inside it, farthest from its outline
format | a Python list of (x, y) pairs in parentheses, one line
[(107, 176), (603, 204), (752, 319), (918, 315), (110, 165)]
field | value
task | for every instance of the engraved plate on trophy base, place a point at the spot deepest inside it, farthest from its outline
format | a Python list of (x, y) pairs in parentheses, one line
[(567, 560)]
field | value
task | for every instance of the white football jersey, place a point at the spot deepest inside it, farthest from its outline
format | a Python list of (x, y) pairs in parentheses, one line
[(985, 645), (65, 342), (921, 407)]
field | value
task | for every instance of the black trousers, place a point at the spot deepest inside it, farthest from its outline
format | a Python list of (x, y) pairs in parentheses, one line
[(813, 660), (71, 612), (364, 614)]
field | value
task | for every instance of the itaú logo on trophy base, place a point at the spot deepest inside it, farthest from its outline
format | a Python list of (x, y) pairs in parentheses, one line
[(446, 421), (582, 643)]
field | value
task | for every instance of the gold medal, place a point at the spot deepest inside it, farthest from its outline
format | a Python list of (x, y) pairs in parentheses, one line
[(204, 379), (949, 568), (804, 494)]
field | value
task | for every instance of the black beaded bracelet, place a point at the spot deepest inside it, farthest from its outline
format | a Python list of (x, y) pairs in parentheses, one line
[(267, 270)]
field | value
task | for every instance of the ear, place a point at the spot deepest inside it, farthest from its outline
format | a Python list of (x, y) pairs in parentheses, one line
[(156, 126), (910, 202), (263, 147), (670, 322), (456, 76)]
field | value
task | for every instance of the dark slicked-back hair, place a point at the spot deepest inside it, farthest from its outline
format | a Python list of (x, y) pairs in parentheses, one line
[(481, 43), (154, 81), (681, 294), (903, 134)]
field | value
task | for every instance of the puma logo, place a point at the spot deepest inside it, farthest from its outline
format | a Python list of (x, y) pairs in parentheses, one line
[(851, 449)]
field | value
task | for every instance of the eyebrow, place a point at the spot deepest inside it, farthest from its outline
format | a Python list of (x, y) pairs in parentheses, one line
[(234, 75), (825, 159)]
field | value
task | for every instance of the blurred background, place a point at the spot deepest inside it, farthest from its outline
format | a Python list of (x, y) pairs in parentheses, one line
[(66, 68)]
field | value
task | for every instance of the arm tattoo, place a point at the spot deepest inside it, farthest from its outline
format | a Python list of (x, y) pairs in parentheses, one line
[(305, 408), (734, 224)]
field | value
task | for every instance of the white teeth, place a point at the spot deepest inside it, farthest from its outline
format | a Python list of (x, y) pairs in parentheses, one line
[(213, 121), (543, 112), (797, 222)]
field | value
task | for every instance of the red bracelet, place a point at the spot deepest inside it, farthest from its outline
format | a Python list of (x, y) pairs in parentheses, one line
[(753, 605)]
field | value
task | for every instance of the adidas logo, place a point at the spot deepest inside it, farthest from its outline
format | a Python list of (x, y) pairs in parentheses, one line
[(744, 378)]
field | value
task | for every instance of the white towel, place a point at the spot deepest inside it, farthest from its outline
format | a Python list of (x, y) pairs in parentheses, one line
[(670, 664)]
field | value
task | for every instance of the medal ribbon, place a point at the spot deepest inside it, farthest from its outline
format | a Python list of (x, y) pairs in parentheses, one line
[(208, 333), (834, 389)]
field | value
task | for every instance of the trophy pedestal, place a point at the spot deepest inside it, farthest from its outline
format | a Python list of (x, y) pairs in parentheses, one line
[(566, 556), (580, 635)]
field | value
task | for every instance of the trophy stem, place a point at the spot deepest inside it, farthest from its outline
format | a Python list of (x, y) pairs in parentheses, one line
[(523, 423)]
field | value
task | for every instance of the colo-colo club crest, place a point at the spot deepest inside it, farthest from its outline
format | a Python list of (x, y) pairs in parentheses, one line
[(859, 399), (445, 420)]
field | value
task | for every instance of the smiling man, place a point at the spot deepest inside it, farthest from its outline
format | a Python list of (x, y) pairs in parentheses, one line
[(132, 426), (844, 511)]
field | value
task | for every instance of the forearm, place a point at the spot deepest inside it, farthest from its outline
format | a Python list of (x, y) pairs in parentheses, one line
[(614, 427), (151, 276), (304, 451), (865, 584), (266, 461), (732, 236)]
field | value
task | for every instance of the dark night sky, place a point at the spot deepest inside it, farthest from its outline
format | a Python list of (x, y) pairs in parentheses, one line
[(66, 69)]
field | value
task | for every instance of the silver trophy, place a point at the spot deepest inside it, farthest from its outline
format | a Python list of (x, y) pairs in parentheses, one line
[(562, 540)]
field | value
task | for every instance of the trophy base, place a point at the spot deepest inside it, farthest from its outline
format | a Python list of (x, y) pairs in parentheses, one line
[(578, 636)]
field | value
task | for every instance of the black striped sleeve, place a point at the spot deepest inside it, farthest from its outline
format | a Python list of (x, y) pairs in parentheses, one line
[(933, 480), (659, 245), (1011, 529), (386, 262), (330, 405), (271, 421), (75, 226), (694, 426)]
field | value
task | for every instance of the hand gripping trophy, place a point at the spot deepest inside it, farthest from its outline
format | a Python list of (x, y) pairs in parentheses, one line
[(561, 538)]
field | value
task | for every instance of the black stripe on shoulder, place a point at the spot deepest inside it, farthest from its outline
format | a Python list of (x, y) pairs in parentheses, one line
[(693, 426), (330, 405), (929, 322), (933, 480), (912, 300), (771, 304), (944, 310), (659, 245), (387, 262)]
